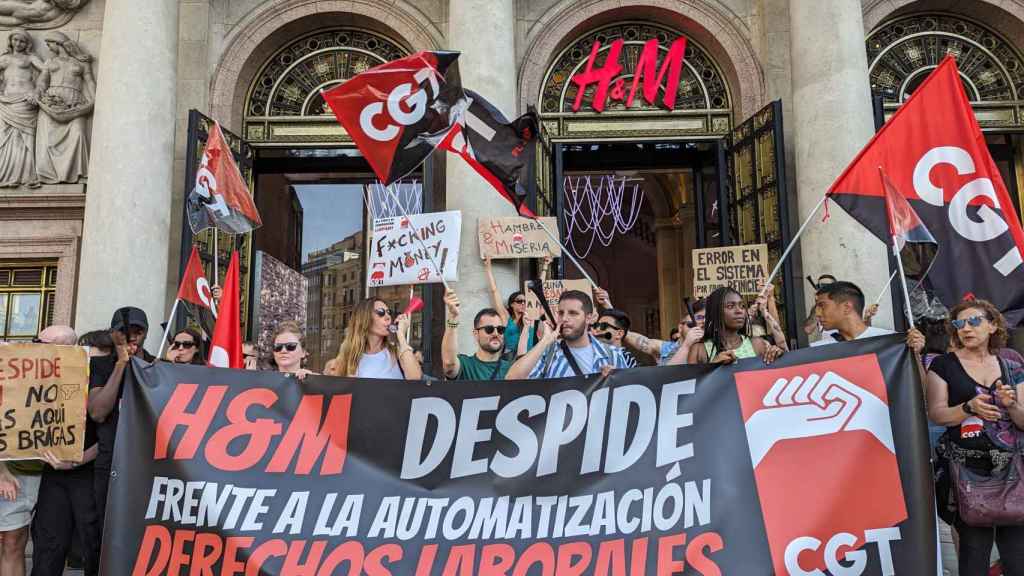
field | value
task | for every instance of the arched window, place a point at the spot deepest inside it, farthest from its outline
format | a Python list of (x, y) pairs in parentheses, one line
[(284, 102), (703, 104), (902, 52)]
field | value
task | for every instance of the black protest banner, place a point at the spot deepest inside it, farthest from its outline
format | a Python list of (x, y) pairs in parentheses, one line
[(815, 465)]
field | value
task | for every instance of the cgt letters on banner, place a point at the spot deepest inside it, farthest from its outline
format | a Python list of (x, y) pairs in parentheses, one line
[(43, 392), (406, 249), (689, 469)]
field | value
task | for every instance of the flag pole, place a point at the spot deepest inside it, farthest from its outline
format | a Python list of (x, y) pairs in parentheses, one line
[(567, 252), (903, 283), (792, 244), (405, 213), (167, 331), (216, 275), (885, 290)]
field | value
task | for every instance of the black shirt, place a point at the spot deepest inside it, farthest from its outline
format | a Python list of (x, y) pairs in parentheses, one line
[(962, 388), (100, 369)]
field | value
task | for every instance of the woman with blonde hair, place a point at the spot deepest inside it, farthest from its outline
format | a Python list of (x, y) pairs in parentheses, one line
[(290, 349), (367, 352)]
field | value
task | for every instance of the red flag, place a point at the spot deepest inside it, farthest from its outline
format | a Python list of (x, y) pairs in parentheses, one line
[(194, 287), (906, 227), (397, 112), (220, 197), (226, 345), (935, 154)]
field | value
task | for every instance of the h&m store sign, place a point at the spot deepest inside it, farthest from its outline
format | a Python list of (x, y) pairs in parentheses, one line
[(610, 85)]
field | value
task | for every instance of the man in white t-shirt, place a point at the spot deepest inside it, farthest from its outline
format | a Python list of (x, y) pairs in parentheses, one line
[(839, 307)]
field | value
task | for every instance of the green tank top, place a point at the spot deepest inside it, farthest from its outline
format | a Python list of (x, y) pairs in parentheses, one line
[(745, 349)]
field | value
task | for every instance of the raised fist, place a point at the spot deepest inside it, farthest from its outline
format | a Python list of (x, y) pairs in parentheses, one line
[(816, 406)]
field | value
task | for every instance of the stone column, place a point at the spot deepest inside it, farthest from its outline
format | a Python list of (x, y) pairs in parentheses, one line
[(124, 244), (832, 121), (484, 31)]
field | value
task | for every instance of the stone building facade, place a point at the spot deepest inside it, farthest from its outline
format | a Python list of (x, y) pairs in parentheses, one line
[(724, 165)]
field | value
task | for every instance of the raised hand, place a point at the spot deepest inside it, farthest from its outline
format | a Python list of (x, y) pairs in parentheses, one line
[(451, 300), (816, 406), (693, 335), (602, 299)]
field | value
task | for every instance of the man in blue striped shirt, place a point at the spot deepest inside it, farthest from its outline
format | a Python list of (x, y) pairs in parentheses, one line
[(586, 355)]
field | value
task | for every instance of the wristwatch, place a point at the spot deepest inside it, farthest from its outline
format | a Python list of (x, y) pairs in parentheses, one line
[(966, 407)]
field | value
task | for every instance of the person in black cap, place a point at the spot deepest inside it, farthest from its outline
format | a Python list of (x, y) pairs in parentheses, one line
[(128, 330)]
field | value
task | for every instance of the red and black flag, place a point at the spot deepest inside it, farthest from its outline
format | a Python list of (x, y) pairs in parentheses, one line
[(918, 248), (935, 154), (398, 112), (502, 152), (220, 198), (195, 293)]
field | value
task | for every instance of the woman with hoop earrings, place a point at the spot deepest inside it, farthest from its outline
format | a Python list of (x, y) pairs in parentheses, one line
[(513, 311), (368, 352)]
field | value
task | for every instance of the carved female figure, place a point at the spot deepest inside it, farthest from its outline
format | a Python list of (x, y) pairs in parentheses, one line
[(18, 66), (66, 95)]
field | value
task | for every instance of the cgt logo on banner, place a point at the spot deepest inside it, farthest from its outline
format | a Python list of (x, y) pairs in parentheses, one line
[(792, 417), (687, 469)]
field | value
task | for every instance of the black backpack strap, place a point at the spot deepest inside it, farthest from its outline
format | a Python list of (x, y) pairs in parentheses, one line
[(570, 358)]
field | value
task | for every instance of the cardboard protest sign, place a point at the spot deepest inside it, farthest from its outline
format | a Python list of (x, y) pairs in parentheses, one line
[(742, 268), (553, 290), (43, 391), (517, 238), (401, 249)]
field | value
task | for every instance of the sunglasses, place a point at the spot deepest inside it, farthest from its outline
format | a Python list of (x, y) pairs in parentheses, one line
[(491, 329), (382, 312), (974, 321), (248, 355), (604, 326), (289, 346), (519, 301), (187, 345)]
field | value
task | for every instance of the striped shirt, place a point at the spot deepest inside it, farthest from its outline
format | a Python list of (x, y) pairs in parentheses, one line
[(554, 365)]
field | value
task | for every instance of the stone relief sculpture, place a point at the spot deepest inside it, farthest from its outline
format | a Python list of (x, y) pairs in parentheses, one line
[(18, 111), (37, 13), (66, 95), (44, 110)]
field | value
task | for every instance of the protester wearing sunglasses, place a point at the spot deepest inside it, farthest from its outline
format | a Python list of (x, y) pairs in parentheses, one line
[(489, 331), (368, 350), (289, 349), (976, 395), (184, 348), (612, 326)]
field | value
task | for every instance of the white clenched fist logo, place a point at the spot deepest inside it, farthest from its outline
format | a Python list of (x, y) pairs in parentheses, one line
[(816, 406)]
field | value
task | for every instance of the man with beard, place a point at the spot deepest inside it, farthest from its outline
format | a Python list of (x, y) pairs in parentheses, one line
[(569, 349), (489, 331)]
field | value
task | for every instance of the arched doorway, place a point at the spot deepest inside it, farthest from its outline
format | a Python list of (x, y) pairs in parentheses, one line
[(702, 181), (314, 190), (903, 50)]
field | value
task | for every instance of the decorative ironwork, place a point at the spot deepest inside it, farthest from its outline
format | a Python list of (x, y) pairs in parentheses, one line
[(755, 199), (703, 102), (284, 102), (902, 52)]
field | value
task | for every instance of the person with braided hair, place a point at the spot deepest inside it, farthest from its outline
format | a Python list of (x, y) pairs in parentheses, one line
[(724, 339)]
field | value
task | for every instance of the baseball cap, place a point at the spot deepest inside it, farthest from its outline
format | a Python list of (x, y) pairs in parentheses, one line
[(136, 317)]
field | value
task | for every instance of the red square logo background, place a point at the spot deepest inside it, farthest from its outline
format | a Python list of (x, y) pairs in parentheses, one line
[(798, 479)]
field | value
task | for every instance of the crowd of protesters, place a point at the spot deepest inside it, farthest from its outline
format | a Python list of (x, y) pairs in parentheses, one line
[(972, 382)]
